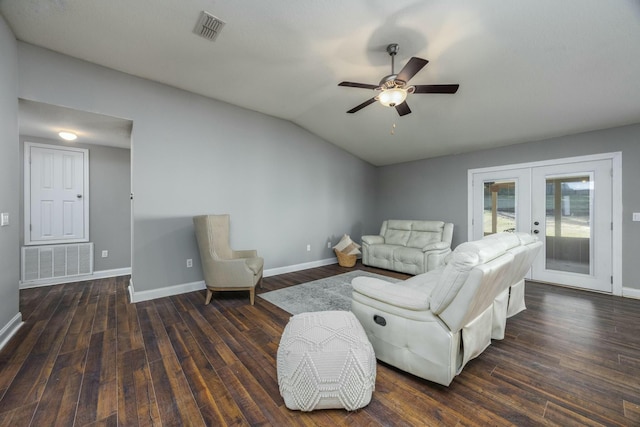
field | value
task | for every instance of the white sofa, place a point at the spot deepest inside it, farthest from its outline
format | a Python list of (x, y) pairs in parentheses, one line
[(432, 324), (408, 246)]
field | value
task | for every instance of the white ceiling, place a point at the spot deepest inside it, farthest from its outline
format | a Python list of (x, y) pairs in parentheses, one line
[(45, 121), (527, 69)]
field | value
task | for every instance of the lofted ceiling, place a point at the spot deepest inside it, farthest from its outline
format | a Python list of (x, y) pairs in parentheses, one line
[(527, 70)]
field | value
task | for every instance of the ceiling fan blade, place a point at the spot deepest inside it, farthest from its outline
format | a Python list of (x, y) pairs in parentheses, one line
[(436, 88), (413, 66), (403, 109), (361, 106), (359, 85)]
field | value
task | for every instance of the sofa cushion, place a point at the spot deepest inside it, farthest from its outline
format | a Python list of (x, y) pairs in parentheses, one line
[(431, 226), (453, 277), (397, 232), (420, 239), (486, 249), (408, 256), (412, 297), (510, 240), (396, 237)]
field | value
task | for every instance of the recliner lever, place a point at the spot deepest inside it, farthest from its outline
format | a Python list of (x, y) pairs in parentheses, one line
[(379, 320)]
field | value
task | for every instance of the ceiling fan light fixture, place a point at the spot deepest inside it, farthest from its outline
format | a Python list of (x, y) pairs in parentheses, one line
[(392, 97)]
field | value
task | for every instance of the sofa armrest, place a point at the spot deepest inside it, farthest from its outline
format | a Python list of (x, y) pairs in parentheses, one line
[(394, 294), (436, 246), (372, 240)]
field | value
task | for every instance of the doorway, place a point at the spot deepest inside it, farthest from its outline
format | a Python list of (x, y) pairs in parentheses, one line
[(568, 204), (106, 144)]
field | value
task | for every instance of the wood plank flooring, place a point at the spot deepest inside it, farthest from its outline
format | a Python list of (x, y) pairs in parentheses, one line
[(86, 357)]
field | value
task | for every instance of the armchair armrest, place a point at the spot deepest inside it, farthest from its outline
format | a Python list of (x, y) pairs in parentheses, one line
[(436, 246), (394, 294), (372, 240)]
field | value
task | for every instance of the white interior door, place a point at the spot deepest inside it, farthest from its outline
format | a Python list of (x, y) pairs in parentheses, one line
[(56, 194), (567, 205)]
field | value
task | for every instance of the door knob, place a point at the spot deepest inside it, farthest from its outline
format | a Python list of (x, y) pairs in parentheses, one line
[(536, 223), (79, 196), (535, 231)]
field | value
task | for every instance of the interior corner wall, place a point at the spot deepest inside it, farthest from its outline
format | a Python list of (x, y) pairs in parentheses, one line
[(109, 201), (284, 187), (9, 250), (437, 188)]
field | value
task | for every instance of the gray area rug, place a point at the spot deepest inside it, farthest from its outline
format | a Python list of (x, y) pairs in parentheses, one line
[(331, 293)]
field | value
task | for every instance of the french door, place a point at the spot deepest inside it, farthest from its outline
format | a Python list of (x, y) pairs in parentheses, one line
[(567, 205)]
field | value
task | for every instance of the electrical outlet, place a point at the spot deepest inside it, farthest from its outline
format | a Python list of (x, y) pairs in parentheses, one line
[(4, 219), (636, 216), (308, 248), (189, 263), (105, 254), (328, 245)]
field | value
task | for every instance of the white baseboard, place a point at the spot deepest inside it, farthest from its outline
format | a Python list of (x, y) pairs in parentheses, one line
[(299, 267), (164, 292), (10, 329), (198, 286), (631, 293), (102, 274)]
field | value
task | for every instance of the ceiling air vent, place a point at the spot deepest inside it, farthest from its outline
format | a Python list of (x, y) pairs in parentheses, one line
[(208, 26)]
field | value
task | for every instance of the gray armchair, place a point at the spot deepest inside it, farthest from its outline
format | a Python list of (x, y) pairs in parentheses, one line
[(225, 269)]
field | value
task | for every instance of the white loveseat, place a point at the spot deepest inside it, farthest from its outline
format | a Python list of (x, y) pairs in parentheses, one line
[(408, 246), (432, 324)]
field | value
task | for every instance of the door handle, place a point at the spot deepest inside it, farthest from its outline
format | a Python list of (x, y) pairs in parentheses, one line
[(536, 223), (535, 231), (79, 196)]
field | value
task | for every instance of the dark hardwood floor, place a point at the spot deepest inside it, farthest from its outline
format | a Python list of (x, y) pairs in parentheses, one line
[(85, 356)]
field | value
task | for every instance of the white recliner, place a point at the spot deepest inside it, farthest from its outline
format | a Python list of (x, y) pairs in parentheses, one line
[(432, 324), (408, 246)]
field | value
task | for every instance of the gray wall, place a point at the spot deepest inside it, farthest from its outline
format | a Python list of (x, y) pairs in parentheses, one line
[(109, 201), (9, 170), (284, 187), (437, 188)]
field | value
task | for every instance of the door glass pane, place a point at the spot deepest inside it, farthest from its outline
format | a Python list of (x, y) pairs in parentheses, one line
[(568, 223), (499, 212)]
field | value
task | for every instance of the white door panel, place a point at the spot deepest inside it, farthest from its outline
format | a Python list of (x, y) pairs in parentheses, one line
[(56, 182)]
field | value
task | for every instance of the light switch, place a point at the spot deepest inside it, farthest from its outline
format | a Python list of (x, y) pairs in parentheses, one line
[(636, 216), (4, 219)]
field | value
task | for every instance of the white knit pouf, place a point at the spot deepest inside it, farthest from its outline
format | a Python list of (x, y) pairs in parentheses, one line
[(325, 361)]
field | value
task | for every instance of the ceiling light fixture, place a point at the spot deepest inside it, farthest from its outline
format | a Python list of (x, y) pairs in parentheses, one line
[(392, 97), (68, 136)]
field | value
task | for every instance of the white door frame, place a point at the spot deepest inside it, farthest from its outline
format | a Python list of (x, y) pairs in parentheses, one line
[(27, 192), (616, 209)]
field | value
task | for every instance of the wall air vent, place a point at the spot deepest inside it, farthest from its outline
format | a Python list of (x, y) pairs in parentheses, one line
[(208, 26)]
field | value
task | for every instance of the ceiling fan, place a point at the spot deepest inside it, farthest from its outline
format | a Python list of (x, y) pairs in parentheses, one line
[(394, 89)]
